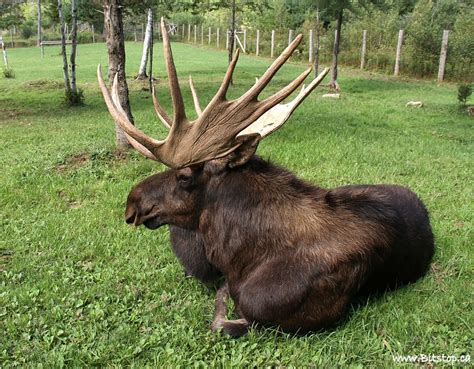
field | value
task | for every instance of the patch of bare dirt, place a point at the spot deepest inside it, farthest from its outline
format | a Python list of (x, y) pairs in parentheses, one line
[(11, 115), (439, 273), (42, 84), (5, 256), (78, 160), (73, 161)]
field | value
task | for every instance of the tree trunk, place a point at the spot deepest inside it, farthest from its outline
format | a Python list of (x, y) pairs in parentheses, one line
[(333, 84), (73, 46), (39, 23), (63, 48), (150, 70), (5, 57), (116, 49), (146, 46), (318, 44)]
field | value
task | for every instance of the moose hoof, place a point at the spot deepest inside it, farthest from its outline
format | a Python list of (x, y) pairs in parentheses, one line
[(233, 328)]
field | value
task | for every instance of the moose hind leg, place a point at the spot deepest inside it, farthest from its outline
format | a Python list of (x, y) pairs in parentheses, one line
[(234, 328), (295, 296)]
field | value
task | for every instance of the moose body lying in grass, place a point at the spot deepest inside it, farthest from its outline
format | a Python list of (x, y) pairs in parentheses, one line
[(293, 255)]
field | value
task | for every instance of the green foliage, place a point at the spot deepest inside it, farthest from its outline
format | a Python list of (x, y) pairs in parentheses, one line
[(90, 11), (10, 15), (8, 73), (80, 288), (464, 92), (74, 98), (27, 30), (424, 33), (461, 41)]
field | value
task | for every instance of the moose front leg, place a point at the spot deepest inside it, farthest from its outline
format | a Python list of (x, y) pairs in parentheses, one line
[(234, 328)]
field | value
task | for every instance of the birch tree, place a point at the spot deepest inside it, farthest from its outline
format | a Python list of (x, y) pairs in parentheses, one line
[(67, 83), (39, 23), (74, 96), (146, 46), (74, 91), (113, 22), (318, 44)]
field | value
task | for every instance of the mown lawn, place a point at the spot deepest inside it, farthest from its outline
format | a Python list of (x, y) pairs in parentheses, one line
[(78, 287)]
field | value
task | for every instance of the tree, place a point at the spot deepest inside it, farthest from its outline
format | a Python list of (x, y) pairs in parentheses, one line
[(39, 22), (10, 15), (113, 23), (74, 91), (90, 11), (334, 9), (67, 82), (235, 7), (73, 95), (146, 45)]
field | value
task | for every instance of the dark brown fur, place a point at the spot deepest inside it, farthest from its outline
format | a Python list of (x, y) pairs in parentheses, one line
[(293, 255)]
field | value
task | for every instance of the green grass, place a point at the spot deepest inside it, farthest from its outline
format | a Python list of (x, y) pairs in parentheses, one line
[(78, 287)]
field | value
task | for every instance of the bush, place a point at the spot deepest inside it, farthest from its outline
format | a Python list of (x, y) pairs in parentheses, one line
[(464, 91), (51, 36), (26, 31), (8, 73), (84, 37), (75, 98)]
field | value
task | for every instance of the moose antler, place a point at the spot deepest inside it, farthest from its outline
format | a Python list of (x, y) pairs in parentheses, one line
[(214, 133)]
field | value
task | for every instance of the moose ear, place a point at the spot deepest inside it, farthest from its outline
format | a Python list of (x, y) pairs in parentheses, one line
[(241, 155), (245, 151)]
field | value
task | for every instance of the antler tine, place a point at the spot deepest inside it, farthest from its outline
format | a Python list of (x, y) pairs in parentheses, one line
[(178, 104), (121, 118), (271, 71), (227, 78), (277, 116), (140, 148), (285, 92), (197, 106), (305, 91), (164, 117)]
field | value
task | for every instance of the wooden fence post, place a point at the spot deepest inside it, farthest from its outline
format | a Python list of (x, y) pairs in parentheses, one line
[(257, 47), (189, 33), (93, 34), (5, 57), (290, 36), (182, 33), (217, 38), (364, 49), (272, 50), (209, 36), (202, 34), (195, 33), (399, 50), (311, 46), (443, 55), (227, 39), (245, 40)]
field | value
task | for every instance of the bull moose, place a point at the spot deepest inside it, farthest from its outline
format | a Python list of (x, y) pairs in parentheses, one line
[(292, 254)]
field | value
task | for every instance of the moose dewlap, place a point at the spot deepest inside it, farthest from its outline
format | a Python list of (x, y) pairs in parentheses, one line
[(291, 254)]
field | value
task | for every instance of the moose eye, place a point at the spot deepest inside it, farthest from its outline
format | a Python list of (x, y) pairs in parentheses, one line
[(185, 181)]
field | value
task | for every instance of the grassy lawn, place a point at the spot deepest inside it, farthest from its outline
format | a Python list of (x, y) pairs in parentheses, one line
[(78, 287)]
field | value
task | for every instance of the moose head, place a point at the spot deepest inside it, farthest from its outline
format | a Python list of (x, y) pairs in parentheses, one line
[(292, 254)]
